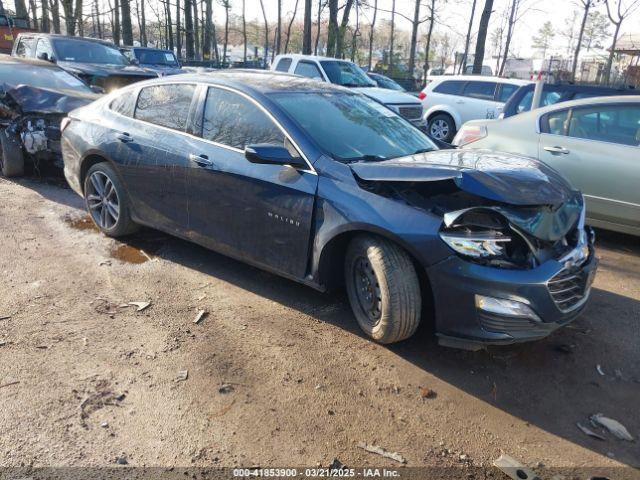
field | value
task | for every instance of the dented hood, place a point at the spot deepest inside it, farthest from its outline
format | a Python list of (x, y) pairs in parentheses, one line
[(30, 100), (501, 177)]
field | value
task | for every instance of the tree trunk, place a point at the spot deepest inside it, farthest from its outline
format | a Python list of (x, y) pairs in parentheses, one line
[(505, 54), (293, 17), (69, 17), (306, 34), (332, 35), (34, 14), (116, 22), (143, 28), (188, 30), (342, 30), (244, 30), (169, 26), (427, 47), (607, 71), (414, 38), (178, 30), (576, 53), (266, 35), (226, 32), (463, 65), (21, 9), (1, 8), (46, 23), (55, 15), (127, 30), (79, 18), (391, 40), (206, 41), (315, 50), (372, 28), (482, 37), (196, 30), (279, 31)]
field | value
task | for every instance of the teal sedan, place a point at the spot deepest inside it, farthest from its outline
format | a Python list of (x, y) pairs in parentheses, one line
[(594, 143)]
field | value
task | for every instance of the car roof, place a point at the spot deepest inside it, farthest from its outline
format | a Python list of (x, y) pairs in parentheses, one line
[(571, 87), (480, 78), (590, 101), (66, 37), (253, 81), (8, 59), (299, 56)]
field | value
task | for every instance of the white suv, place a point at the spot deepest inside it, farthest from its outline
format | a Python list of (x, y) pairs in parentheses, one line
[(451, 100), (348, 74)]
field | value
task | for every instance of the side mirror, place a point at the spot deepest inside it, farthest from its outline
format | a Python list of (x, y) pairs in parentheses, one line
[(43, 56), (97, 89), (135, 61), (268, 154)]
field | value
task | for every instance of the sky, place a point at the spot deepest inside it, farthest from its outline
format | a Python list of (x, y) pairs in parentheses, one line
[(454, 15)]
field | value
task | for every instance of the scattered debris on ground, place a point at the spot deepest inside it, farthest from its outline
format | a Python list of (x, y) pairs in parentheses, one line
[(140, 306), (382, 452), (427, 393), (8, 384), (102, 397), (337, 465), (225, 388), (200, 316), (588, 431), (5, 317), (182, 375), (599, 369), (122, 460), (514, 469), (616, 428)]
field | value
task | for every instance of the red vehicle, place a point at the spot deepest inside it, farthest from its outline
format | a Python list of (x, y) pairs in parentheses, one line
[(10, 27)]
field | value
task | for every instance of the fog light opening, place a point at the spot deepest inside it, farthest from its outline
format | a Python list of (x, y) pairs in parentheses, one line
[(504, 307)]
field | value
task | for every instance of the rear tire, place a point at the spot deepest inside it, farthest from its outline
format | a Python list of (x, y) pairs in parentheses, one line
[(383, 289), (442, 127), (11, 156), (107, 201)]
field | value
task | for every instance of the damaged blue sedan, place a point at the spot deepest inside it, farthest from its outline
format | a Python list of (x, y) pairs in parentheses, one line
[(329, 188)]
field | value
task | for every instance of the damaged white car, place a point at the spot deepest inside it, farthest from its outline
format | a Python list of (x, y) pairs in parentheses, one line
[(34, 98)]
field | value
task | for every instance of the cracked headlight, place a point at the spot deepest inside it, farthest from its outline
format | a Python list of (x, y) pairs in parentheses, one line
[(477, 244)]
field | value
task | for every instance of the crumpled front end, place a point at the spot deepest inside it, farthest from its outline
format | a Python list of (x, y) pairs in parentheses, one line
[(522, 260)]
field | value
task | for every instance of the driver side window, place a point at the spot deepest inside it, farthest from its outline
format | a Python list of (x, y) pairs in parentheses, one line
[(44, 46), (232, 120)]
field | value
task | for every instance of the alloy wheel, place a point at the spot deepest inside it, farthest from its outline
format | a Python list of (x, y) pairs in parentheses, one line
[(367, 290), (439, 129), (102, 200)]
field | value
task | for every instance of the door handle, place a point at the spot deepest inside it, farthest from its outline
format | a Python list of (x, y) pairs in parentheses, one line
[(201, 160), (557, 150), (124, 137)]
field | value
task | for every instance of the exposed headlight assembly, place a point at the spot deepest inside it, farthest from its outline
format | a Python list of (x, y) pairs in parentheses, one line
[(476, 244)]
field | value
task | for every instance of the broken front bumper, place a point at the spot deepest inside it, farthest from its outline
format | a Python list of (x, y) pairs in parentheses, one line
[(553, 294)]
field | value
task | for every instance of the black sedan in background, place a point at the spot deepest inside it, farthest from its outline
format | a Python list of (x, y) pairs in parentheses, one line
[(325, 186), (34, 97), (163, 62)]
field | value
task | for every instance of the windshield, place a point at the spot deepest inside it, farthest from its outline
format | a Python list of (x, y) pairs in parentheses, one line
[(156, 57), (353, 127), (87, 52), (35, 76), (346, 74)]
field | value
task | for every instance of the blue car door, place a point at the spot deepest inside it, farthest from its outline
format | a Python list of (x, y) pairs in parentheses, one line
[(151, 152), (261, 213)]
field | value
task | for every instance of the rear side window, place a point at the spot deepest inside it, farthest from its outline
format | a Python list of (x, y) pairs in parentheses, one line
[(232, 120), (506, 90), (607, 123), (123, 104), (450, 87), (480, 90), (283, 65), (555, 123), (165, 105), (308, 69), (25, 47)]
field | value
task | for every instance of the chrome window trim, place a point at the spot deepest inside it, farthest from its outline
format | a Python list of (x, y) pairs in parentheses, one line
[(137, 90), (622, 202)]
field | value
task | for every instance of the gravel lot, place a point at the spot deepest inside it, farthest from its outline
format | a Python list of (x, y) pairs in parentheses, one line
[(278, 374)]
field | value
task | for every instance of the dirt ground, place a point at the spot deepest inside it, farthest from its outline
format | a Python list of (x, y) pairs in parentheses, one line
[(278, 374)]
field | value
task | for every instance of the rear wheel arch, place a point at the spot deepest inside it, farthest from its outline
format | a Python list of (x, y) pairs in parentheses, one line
[(88, 161), (440, 111)]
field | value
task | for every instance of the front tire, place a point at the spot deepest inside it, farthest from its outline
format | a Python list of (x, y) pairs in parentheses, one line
[(11, 156), (442, 127), (383, 289), (107, 201)]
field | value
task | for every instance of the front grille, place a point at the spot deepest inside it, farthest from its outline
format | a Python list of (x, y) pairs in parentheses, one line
[(569, 288), (411, 113)]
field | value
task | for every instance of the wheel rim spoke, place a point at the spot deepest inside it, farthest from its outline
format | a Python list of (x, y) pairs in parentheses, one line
[(102, 200)]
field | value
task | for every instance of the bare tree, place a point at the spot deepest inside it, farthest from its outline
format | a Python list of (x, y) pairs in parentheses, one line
[(306, 34), (127, 31), (1, 8), (392, 36), (293, 17), (332, 34), (482, 36), (427, 44), (70, 16), (279, 29), (344, 23), (206, 37), (34, 14), (55, 15), (320, 8), (617, 10), (143, 26), (178, 30), (46, 23), (371, 29), (244, 29), (226, 4), (463, 63), (586, 6), (542, 41), (189, 39), (21, 9), (196, 30), (266, 35), (513, 15), (415, 24)]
